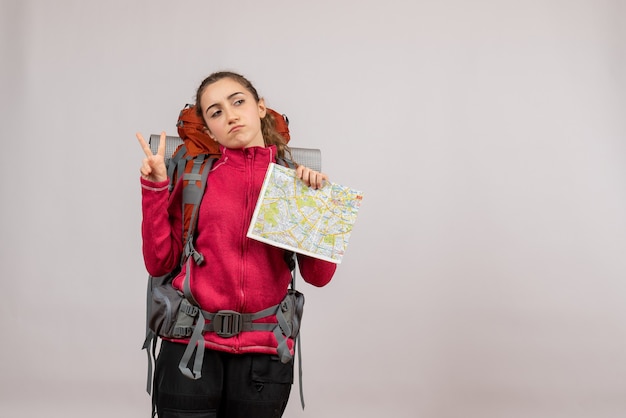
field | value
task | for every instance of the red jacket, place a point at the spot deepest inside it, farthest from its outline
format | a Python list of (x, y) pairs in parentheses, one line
[(238, 273)]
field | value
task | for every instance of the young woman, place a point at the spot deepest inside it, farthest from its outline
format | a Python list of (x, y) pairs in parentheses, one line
[(241, 375)]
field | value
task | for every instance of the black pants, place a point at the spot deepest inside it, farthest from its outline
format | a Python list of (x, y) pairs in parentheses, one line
[(231, 386)]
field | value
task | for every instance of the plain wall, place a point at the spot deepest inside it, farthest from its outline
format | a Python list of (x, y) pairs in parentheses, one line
[(485, 273)]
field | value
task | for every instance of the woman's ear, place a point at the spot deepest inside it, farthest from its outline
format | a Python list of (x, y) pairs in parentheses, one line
[(262, 108), (208, 132)]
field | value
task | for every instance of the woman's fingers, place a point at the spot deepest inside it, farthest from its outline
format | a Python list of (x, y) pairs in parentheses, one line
[(318, 181), (311, 178), (162, 141), (145, 169), (153, 166), (144, 145)]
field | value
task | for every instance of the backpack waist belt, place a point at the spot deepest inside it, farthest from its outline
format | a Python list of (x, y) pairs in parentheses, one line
[(227, 324)]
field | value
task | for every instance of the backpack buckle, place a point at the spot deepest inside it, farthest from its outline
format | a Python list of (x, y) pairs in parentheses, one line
[(227, 324), (182, 332)]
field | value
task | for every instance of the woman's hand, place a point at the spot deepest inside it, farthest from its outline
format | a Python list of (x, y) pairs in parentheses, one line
[(153, 166), (311, 178)]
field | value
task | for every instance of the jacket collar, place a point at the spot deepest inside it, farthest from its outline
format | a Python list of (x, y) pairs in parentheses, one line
[(258, 156)]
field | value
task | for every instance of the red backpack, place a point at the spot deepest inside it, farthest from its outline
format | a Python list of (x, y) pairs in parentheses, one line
[(191, 130)]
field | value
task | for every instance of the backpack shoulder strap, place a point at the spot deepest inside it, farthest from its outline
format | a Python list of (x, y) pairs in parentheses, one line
[(289, 256), (194, 184), (286, 162), (290, 259), (176, 164)]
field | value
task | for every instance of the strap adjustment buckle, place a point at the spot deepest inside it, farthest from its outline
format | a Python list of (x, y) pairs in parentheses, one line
[(182, 332), (227, 324), (189, 309)]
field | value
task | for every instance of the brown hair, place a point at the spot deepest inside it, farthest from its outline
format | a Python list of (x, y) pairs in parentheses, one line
[(268, 130)]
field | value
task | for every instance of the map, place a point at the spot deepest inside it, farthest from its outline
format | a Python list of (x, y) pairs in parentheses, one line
[(291, 215)]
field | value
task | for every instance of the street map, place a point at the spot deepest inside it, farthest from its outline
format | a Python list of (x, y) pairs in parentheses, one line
[(293, 216)]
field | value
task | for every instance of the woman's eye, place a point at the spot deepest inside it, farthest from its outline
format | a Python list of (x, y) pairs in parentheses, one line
[(216, 113), (238, 102)]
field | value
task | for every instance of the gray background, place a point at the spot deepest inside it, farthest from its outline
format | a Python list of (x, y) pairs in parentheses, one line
[(485, 275)]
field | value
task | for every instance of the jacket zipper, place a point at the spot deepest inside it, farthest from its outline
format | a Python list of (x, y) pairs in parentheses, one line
[(244, 247)]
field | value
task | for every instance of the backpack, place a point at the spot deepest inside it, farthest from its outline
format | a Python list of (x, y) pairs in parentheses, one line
[(191, 130), (174, 314)]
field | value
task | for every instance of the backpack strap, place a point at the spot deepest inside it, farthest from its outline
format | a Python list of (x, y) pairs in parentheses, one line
[(290, 259), (192, 195), (176, 164), (298, 344)]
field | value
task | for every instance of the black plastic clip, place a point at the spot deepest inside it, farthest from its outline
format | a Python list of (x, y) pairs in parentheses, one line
[(227, 324)]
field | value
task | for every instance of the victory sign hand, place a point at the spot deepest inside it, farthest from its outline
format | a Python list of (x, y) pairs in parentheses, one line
[(153, 166)]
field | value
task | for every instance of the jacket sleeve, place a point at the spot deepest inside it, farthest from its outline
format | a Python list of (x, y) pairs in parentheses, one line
[(315, 271), (161, 229)]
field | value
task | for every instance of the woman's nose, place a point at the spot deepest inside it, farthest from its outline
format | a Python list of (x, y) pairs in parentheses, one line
[(231, 115)]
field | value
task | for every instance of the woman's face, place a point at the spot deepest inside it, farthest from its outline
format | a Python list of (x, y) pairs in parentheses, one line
[(232, 115)]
